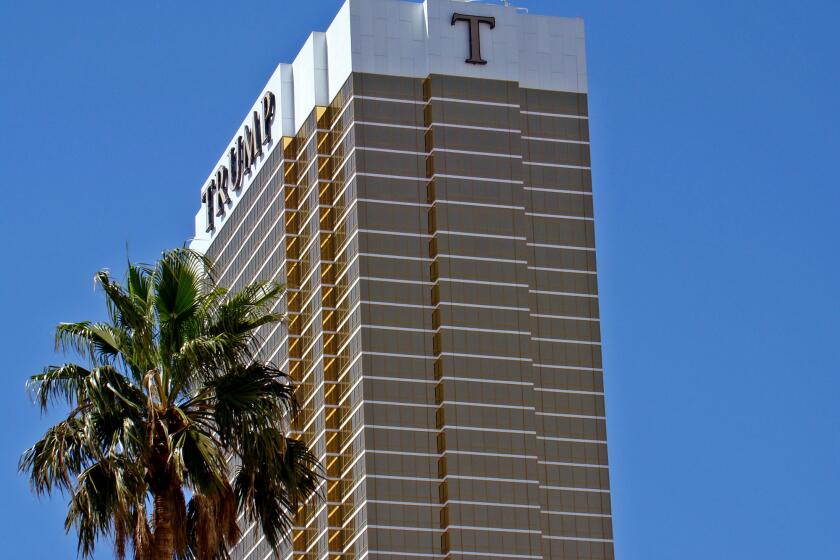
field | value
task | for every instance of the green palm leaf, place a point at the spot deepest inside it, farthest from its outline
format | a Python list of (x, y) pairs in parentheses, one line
[(169, 401)]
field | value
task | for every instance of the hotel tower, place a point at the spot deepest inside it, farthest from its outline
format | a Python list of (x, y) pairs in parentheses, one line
[(419, 180)]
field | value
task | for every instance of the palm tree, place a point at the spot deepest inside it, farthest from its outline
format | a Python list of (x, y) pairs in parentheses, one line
[(175, 427)]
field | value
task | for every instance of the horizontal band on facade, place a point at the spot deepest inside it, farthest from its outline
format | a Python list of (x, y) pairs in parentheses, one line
[(389, 256), (491, 479), (557, 246), (568, 391), (468, 101), (566, 270), (566, 294), (475, 127), (477, 380), (391, 328), (473, 153), (399, 428), (404, 528), (483, 306), (574, 489), (482, 282), (438, 124), (447, 502), (452, 427), (397, 280), (474, 329), (387, 99), (484, 356), (572, 464), (474, 102), (483, 259), (391, 202), (388, 151), (495, 529), (477, 204), (399, 355), (436, 202), (557, 191), (584, 539), (558, 115), (391, 553), (571, 440), (455, 257), (389, 176), (443, 403), (443, 377), (565, 415), (481, 235), (557, 140), (559, 216), (566, 341), (482, 380), (480, 429), (496, 555), (573, 368), (556, 165), (397, 304), (575, 513), (468, 178), (397, 233), (435, 98), (452, 452)]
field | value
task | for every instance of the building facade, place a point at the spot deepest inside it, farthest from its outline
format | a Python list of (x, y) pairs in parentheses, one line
[(419, 179)]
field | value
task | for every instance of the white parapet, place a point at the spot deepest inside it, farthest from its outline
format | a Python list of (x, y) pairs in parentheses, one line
[(401, 38)]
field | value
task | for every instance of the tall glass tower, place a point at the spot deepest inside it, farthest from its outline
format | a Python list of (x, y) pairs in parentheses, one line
[(419, 179)]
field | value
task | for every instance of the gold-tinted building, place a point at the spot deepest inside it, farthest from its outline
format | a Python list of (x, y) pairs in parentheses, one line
[(429, 208)]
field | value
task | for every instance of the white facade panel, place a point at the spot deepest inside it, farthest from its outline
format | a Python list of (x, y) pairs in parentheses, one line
[(282, 95)]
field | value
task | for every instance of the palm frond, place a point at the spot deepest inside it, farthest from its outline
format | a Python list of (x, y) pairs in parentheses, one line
[(170, 397), (201, 459), (98, 342), (126, 310), (64, 382), (248, 309), (212, 526), (139, 282), (250, 398), (202, 357), (277, 475), (106, 492), (110, 392), (54, 461)]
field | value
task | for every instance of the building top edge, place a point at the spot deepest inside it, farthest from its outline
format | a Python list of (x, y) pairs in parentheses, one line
[(400, 38)]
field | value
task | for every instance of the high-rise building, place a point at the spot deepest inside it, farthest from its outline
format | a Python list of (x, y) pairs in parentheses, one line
[(419, 179)]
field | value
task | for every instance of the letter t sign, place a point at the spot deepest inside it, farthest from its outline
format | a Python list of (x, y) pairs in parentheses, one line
[(475, 42)]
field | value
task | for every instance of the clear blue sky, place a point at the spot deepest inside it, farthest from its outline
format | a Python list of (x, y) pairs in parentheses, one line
[(715, 153)]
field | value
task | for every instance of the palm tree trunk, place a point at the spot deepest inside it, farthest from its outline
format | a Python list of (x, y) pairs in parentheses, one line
[(163, 547)]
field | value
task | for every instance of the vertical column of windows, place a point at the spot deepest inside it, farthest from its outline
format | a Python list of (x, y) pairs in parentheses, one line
[(574, 497), (484, 392), (399, 517), (321, 226), (309, 540), (336, 218), (330, 185), (294, 265), (437, 343)]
